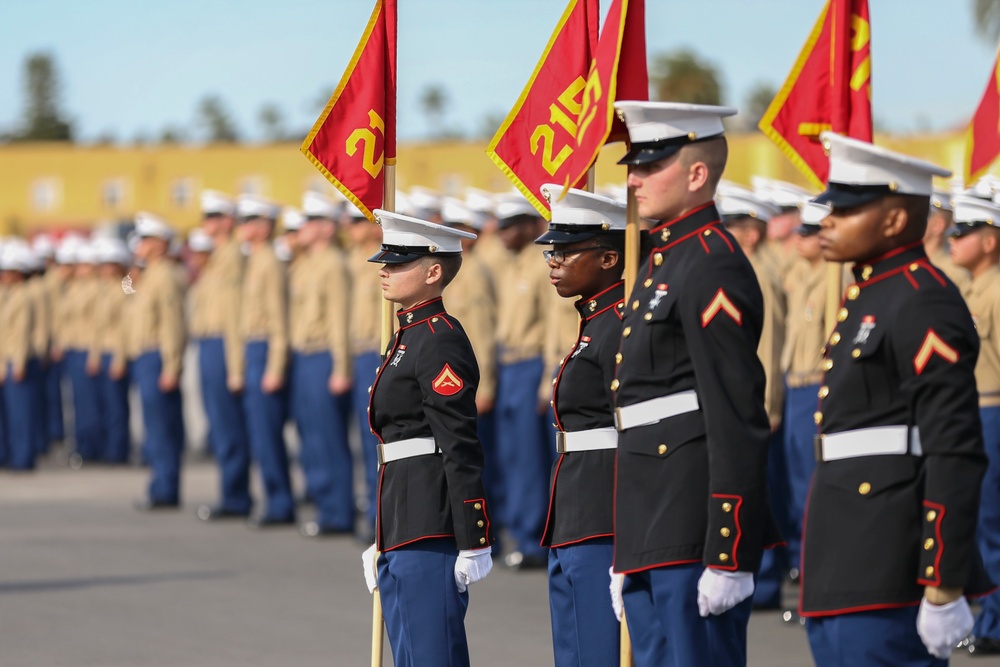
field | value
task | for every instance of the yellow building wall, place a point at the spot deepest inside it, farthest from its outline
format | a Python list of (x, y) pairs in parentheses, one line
[(48, 186)]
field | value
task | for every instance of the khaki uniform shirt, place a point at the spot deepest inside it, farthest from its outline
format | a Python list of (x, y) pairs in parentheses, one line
[(109, 325), (772, 336), (56, 288), (41, 335), (805, 335), (215, 303), (76, 314), (942, 260), (780, 257), (494, 254), (562, 328), (155, 319), (471, 299), (366, 302), (319, 293), (264, 307), (983, 296), (523, 299), (18, 316)]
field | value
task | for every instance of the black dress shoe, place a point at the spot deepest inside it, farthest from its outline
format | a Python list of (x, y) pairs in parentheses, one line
[(984, 646), (217, 513), (262, 522), (314, 529), (147, 505), (518, 562)]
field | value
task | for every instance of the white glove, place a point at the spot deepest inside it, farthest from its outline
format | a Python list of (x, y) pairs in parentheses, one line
[(941, 627), (368, 559), (617, 603), (719, 591), (472, 565)]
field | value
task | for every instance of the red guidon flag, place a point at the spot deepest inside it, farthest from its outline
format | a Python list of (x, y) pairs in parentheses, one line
[(618, 72), (829, 88), (537, 137), (982, 141), (355, 136)]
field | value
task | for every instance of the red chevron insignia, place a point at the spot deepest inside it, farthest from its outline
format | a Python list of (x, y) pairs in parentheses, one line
[(933, 345), (447, 383), (721, 303)]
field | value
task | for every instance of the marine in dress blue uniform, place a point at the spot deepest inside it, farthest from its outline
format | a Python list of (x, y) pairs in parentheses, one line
[(692, 513), (587, 234), (433, 528), (889, 549)]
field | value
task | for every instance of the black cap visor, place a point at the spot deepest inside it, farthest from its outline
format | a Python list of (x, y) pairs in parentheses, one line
[(653, 151), (397, 254), (843, 195), (807, 230), (960, 229)]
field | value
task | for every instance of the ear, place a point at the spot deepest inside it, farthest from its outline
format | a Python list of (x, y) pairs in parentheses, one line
[(433, 274), (697, 176), (610, 259), (989, 242), (896, 221)]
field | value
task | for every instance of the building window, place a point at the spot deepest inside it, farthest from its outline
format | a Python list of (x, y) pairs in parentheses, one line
[(182, 193), (113, 194), (44, 195)]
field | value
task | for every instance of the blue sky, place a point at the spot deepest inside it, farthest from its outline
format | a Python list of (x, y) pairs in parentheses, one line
[(132, 67)]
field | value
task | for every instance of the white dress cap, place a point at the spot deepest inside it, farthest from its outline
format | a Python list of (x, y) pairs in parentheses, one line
[(814, 213), (214, 202), (16, 255), (292, 219), (975, 212), (657, 130), (511, 205), (580, 215), (148, 225), (316, 205), (112, 250), (455, 212), (425, 202), (742, 203), (252, 206), (199, 241), (86, 253), (987, 187), (66, 251), (941, 200), (405, 238), (780, 193), (861, 172), (43, 246)]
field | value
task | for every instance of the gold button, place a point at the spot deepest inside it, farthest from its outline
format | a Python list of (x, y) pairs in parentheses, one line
[(853, 292), (931, 515), (824, 392), (662, 449), (370, 389), (480, 523), (615, 384), (626, 331), (856, 352), (554, 381), (724, 532), (727, 507), (478, 506), (865, 488), (658, 259), (647, 316), (434, 319), (827, 364), (723, 558), (835, 338), (647, 282), (914, 267), (929, 571), (928, 544), (482, 540), (618, 358), (866, 272), (635, 305), (552, 403), (818, 418), (707, 232), (665, 234), (841, 314)]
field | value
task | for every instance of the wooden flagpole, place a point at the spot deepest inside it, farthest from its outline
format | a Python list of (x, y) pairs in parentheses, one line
[(631, 271), (834, 273)]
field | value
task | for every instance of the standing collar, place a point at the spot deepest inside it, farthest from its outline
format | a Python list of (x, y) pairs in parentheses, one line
[(890, 262), (673, 231), (602, 301), (420, 313)]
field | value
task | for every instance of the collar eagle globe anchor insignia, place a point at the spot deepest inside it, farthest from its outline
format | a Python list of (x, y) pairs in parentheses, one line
[(127, 284)]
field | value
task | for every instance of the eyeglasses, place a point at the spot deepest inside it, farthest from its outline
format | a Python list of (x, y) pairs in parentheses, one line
[(559, 256)]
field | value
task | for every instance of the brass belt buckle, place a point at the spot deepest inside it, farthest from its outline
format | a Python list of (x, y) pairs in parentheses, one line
[(618, 420), (380, 448), (818, 447), (560, 442)]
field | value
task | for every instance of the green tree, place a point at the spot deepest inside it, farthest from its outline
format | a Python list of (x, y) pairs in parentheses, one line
[(43, 120), (214, 119), (986, 16), (434, 102), (681, 76), (757, 101), (171, 134), (272, 122)]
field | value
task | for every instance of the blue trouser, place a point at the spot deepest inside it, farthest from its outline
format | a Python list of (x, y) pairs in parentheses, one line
[(585, 632), (774, 562), (366, 367), (988, 622), (227, 427), (23, 416), (88, 427), (881, 638), (423, 610), (661, 607), (326, 455), (523, 453), (115, 408), (163, 420), (265, 414), (4, 435), (54, 427), (800, 460)]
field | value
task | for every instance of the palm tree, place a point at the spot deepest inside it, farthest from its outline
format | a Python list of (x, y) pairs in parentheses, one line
[(986, 14), (433, 101), (682, 77)]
